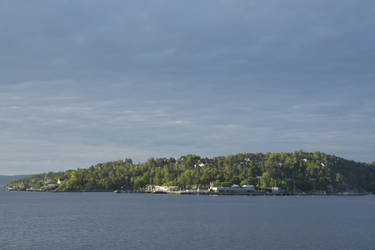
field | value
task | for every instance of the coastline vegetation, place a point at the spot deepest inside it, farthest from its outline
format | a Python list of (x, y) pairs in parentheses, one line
[(293, 172)]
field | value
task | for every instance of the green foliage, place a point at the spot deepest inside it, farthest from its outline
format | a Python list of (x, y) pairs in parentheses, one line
[(294, 172), (38, 185)]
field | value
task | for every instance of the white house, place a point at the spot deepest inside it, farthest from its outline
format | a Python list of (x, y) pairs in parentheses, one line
[(61, 181)]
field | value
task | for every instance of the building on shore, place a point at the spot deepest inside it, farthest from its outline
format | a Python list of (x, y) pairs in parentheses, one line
[(275, 190), (156, 188), (234, 189)]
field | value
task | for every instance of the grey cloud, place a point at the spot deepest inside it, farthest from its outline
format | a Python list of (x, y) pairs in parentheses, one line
[(109, 40), (98, 80)]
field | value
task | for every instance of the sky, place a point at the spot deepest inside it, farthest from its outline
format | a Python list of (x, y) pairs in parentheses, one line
[(83, 82)]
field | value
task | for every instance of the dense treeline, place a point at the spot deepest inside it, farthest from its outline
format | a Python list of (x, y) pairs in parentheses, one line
[(294, 172)]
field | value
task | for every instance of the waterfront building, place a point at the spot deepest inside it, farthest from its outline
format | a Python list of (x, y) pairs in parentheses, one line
[(156, 188), (234, 189), (275, 190)]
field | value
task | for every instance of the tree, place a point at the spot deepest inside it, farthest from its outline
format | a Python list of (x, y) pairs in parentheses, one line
[(265, 180)]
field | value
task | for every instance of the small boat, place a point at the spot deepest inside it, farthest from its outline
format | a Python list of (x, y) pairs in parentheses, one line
[(117, 191)]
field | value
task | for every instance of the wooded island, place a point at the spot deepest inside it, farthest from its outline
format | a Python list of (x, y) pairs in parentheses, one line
[(297, 172)]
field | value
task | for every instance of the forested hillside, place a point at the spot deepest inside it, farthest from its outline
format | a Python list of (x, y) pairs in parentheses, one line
[(294, 172)]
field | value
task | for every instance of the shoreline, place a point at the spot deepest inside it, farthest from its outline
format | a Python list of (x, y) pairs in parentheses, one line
[(201, 193)]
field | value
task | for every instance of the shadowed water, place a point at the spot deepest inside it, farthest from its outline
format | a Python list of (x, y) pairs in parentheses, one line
[(145, 221)]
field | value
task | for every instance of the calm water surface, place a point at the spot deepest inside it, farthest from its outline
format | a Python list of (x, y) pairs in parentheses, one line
[(145, 221)]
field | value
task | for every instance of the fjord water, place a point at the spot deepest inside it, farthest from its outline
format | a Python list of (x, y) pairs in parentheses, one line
[(145, 221)]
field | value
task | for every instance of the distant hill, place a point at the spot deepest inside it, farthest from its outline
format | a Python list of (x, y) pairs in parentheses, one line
[(293, 172), (5, 179)]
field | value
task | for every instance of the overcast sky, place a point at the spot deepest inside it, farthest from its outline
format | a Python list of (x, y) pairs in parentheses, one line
[(83, 82)]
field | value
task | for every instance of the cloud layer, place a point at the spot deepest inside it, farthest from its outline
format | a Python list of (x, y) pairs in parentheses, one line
[(89, 81)]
